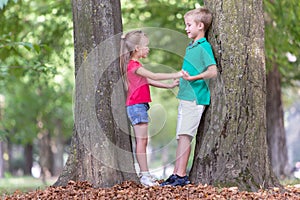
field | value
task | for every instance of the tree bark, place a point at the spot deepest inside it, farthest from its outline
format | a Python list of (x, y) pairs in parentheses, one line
[(231, 147), (275, 125), (100, 151)]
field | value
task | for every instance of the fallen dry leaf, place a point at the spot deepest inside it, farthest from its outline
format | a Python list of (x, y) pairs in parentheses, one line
[(133, 191)]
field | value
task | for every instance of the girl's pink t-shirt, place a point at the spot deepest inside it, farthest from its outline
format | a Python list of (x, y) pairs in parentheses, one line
[(138, 86)]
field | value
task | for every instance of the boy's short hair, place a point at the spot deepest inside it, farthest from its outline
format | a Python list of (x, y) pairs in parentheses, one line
[(201, 15)]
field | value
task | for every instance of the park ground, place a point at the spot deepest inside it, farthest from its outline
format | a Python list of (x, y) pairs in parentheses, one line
[(14, 188)]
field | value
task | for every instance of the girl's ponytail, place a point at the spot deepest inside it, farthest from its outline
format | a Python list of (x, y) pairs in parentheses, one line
[(128, 44), (124, 59)]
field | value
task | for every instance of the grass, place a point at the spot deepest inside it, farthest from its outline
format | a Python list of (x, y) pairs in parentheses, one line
[(292, 181), (22, 184)]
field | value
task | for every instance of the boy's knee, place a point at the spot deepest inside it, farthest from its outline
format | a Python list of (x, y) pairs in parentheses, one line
[(185, 137)]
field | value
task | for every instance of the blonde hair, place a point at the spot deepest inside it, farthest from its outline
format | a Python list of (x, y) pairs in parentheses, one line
[(201, 15), (129, 41)]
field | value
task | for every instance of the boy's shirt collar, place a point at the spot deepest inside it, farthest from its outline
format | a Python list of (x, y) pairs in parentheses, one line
[(197, 42)]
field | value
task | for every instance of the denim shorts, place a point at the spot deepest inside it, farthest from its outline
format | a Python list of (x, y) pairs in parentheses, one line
[(137, 113)]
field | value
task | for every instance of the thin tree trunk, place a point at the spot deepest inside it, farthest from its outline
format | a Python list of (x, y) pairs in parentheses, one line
[(45, 154), (2, 103), (231, 148), (1, 160), (28, 152), (100, 151), (275, 125), (10, 156), (57, 149)]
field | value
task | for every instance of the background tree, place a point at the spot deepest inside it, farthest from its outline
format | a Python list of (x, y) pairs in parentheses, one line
[(282, 50), (34, 58), (231, 146), (100, 151)]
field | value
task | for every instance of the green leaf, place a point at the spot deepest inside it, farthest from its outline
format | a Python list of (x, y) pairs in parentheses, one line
[(27, 45), (37, 48)]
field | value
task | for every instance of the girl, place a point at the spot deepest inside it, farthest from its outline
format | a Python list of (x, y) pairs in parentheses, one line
[(134, 46)]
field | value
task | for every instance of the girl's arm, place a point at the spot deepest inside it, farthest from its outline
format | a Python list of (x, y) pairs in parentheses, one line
[(163, 85), (157, 76), (211, 72)]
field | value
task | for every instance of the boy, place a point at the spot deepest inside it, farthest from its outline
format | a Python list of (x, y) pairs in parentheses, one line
[(194, 94)]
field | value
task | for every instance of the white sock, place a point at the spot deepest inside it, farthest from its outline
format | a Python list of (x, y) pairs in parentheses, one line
[(146, 173)]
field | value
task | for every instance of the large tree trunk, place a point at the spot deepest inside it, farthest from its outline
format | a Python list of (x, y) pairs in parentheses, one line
[(100, 151), (275, 125), (231, 148)]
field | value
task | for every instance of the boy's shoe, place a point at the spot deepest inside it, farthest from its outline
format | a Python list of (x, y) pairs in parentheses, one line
[(180, 181), (175, 180), (148, 180), (169, 180)]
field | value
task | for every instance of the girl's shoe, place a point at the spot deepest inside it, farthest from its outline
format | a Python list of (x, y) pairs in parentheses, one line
[(147, 180)]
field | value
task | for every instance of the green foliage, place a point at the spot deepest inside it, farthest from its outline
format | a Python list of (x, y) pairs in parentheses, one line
[(160, 13), (163, 13), (36, 74), (282, 38), (44, 28)]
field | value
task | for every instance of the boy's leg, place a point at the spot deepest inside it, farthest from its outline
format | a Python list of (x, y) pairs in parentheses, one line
[(189, 115), (179, 176), (141, 137), (182, 154)]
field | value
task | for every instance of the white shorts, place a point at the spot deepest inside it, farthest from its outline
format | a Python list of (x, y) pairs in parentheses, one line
[(189, 115)]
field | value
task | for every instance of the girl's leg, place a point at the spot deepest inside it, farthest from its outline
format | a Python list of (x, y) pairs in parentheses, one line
[(141, 137)]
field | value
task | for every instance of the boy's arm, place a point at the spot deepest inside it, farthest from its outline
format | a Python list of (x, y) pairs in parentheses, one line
[(211, 72), (163, 85)]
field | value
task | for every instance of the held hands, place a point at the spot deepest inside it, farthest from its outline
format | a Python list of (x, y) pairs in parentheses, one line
[(186, 75), (174, 84), (182, 74)]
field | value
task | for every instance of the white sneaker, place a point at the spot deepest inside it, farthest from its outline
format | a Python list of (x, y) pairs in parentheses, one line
[(148, 180)]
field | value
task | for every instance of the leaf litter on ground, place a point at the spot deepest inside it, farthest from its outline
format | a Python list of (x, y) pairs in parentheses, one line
[(131, 190)]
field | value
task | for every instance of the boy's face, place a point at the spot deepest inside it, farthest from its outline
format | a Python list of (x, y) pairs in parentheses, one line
[(194, 30)]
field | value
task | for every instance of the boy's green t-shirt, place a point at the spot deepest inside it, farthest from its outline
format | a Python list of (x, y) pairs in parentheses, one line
[(198, 57)]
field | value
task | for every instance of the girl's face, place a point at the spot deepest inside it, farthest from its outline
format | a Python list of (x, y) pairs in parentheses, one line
[(143, 49), (192, 29)]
